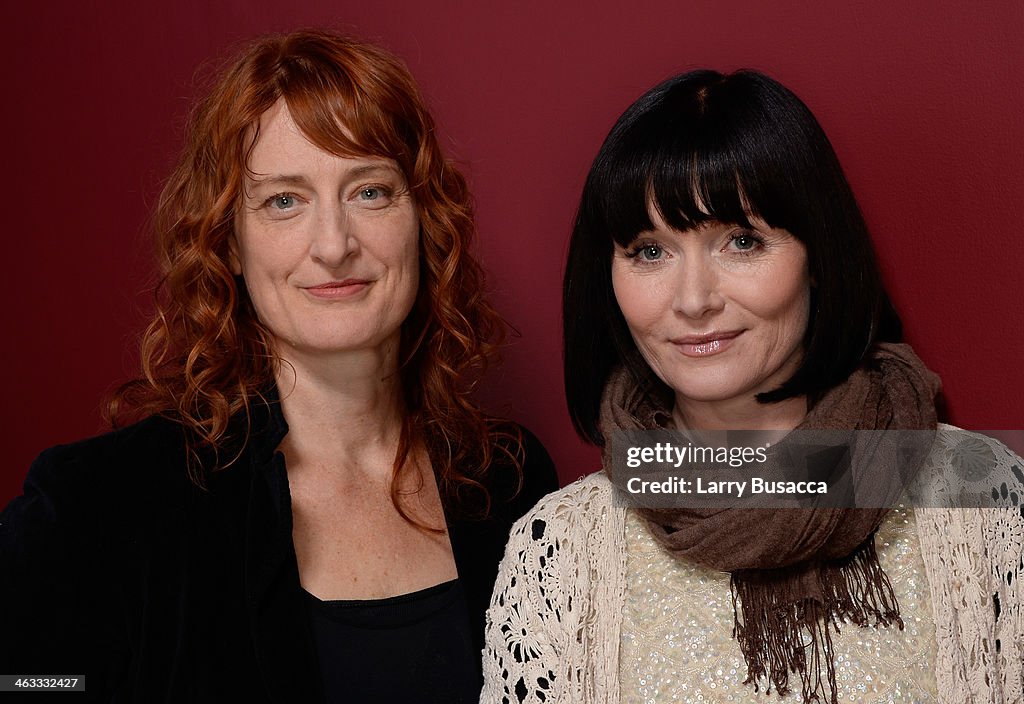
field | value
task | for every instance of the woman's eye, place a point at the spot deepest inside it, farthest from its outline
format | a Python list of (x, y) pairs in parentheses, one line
[(650, 252), (281, 201), (647, 252), (745, 241), (373, 196)]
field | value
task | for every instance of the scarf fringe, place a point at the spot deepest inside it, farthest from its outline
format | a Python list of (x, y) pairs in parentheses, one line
[(780, 632)]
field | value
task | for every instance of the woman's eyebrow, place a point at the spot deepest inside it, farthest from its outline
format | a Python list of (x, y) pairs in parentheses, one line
[(382, 168), (276, 180)]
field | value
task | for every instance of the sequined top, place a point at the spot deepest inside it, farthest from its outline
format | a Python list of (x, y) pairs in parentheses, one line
[(676, 637)]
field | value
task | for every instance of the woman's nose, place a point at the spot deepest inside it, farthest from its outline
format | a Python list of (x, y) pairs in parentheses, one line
[(697, 291), (333, 238)]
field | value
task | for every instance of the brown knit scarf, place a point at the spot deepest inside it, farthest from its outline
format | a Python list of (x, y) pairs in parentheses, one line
[(794, 572)]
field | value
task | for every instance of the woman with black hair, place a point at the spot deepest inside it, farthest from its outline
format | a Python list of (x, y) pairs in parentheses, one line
[(720, 252)]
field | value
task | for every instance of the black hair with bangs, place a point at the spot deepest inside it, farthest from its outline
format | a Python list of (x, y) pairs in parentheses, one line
[(704, 147)]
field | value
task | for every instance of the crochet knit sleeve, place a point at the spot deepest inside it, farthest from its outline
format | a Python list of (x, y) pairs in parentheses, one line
[(978, 588), (543, 642)]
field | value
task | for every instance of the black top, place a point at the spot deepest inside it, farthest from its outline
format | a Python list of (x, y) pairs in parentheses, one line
[(415, 647), (115, 566)]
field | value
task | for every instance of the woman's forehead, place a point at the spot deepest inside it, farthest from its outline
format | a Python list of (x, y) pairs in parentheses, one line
[(280, 140)]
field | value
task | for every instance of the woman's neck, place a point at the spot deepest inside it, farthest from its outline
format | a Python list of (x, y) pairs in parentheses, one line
[(739, 414), (341, 410)]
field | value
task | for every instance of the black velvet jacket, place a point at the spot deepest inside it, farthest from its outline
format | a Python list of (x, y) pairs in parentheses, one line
[(114, 566)]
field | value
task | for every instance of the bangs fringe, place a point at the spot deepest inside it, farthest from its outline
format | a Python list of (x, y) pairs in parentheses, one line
[(694, 165), (373, 115)]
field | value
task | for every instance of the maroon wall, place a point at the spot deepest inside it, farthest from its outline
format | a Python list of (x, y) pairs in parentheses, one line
[(922, 100)]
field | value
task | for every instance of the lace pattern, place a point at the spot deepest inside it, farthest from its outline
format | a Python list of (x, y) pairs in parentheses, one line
[(542, 617), (553, 628), (975, 571)]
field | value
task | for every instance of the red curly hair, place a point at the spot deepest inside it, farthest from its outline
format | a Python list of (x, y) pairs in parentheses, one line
[(206, 358)]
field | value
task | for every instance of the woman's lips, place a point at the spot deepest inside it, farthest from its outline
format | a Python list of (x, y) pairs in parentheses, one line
[(706, 345), (337, 289)]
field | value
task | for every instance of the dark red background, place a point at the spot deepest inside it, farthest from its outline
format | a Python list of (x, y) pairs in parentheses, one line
[(922, 100)]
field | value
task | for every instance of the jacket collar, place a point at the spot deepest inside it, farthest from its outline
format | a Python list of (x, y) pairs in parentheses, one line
[(277, 618), (267, 426)]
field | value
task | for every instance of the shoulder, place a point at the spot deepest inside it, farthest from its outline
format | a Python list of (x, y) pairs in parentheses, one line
[(578, 509), (568, 530), (974, 462), (127, 473), (84, 503), (971, 515), (154, 436), (122, 455), (552, 546), (951, 437), (592, 492)]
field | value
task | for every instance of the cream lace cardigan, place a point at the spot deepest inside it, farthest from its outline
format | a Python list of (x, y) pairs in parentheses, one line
[(553, 626)]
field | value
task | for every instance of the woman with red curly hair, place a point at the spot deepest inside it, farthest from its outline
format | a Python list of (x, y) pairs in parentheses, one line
[(311, 506)]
